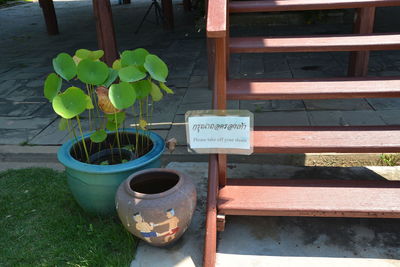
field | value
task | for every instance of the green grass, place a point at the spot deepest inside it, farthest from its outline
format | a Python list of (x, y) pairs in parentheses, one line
[(41, 225)]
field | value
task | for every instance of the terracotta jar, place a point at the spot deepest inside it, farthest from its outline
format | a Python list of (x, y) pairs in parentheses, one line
[(156, 205)]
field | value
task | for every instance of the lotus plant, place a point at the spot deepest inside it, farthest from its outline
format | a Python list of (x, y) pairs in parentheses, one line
[(134, 81)]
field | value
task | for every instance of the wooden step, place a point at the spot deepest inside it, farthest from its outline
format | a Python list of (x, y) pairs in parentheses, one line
[(319, 43), (326, 139), (292, 5), (263, 89), (322, 198)]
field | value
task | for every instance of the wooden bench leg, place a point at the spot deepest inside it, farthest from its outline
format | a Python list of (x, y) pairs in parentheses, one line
[(210, 238), (49, 16), (363, 24), (168, 14), (105, 30)]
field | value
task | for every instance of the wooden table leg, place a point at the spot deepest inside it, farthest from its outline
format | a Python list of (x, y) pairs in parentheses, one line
[(363, 24), (105, 30), (49, 16), (168, 14)]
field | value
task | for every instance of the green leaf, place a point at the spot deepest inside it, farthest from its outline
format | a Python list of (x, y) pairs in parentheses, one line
[(155, 92), (156, 67), (64, 66), (142, 88), (166, 88), (63, 124), (87, 54), (52, 86), (112, 76), (70, 103), (97, 54), (98, 136), (131, 74), (89, 103), (136, 57), (117, 64), (92, 72), (82, 53), (118, 117), (122, 95), (111, 126)]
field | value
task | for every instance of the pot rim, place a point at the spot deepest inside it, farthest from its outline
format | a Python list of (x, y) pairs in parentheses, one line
[(64, 156), (158, 195)]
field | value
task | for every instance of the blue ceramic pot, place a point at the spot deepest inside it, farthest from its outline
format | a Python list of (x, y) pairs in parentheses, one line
[(94, 186)]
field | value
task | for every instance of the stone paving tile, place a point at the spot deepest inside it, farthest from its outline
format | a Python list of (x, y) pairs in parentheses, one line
[(390, 117), (197, 95), (16, 136), (51, 135), (234, 66), (183, 108), (384, 103), (363, 117), (337, 104), (310, 65), (7, 86), (198, 81), (19, 108), (178, 82), (178, 130), (272, 105), (326, 118), (25, 122), (251, 65), (281, 118), (275, 62)]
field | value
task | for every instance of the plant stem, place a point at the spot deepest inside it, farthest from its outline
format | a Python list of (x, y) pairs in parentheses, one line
[(117, 132), (73, 132), (83, 140)]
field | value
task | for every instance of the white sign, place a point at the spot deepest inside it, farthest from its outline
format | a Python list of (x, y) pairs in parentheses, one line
[(228, 132)]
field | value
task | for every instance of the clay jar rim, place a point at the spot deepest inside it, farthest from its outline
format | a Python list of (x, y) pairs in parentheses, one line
[(157, 195)]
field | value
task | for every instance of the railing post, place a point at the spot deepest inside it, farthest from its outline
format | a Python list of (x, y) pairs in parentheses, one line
[(363, 24), (105, 30), (49, 16)]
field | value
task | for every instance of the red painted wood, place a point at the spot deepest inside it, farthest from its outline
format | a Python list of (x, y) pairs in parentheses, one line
[(105, 30), (316, 43), (364, 23), (168, 14), (217, 18), (291, 5), (260, 89), (50, 16), (210, 239), (321, 139), (322, 198)]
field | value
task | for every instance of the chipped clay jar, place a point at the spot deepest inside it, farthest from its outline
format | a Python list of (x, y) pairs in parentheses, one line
[(156, 205)]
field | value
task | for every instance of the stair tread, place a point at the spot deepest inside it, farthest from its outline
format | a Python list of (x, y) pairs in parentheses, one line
[(292, 5), (326, 139), (315, 43), (315, 88), (325, 198)]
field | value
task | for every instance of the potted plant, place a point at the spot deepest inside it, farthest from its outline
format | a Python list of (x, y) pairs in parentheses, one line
[(98, 161)]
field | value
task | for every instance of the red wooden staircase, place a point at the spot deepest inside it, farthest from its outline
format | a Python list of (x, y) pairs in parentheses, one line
[(272, 197)]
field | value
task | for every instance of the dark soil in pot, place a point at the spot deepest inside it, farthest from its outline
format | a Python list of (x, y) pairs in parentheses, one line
[(108, 153), (154, 183)]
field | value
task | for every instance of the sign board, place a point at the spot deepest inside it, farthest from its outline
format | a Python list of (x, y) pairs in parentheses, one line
[(219, 131)]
